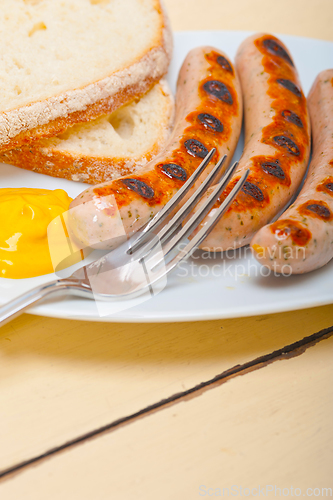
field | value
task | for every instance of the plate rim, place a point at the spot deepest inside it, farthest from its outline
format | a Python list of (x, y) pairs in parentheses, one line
[(51, 310)]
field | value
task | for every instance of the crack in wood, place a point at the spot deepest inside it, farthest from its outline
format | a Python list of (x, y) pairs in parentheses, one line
[(286, 352)]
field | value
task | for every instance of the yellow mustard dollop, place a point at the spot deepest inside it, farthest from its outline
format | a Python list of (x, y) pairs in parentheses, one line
[(24, 217)]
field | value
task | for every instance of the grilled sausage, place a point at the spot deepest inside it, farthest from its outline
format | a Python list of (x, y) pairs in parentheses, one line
[(301, 240), (208, 114), (277, 142)]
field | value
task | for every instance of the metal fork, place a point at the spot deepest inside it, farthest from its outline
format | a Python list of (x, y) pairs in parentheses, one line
[(141, 262)]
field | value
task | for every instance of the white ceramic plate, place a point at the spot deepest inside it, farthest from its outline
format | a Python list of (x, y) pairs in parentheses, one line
[(204, 288)]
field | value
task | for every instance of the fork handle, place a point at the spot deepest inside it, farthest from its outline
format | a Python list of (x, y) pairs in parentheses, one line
[(16, 306)]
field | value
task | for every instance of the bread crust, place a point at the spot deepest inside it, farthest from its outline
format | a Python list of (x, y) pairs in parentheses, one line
[(79, 168), (54, 115), (44, 157)]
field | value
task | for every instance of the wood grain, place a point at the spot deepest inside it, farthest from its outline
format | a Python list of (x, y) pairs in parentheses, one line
[(271, 427), (62, 379)]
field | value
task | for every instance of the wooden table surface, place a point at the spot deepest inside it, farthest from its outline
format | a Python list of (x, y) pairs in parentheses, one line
[(181, 411)]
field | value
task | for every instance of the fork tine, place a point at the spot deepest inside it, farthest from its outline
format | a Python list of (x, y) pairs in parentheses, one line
[(129, 285), (178, 218), (207, 228), (204, 231), (162, 214), (191, 202), (198, 216)]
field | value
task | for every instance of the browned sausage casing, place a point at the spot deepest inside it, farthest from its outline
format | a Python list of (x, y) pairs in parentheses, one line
[(301, 240)]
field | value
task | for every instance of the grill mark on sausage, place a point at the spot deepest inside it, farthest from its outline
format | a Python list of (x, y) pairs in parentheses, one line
[(245, 201), (292, 118), (210, 122), (326, 186), (314, 208), (277, 50), (286, 143), (139, 187), (253, 190), (175, 171), (273, 168), (219, 90), (289, 228), (289, 85), (320, 210), (223, 61), (196, 148)]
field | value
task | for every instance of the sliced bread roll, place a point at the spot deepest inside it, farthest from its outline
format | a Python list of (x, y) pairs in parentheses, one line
[(106, 148), (64, 62)]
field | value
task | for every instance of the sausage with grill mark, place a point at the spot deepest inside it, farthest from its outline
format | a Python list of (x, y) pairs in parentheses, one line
[(301, 240), (277, 142)]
